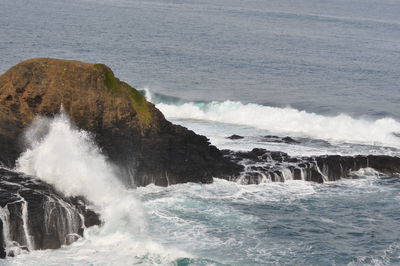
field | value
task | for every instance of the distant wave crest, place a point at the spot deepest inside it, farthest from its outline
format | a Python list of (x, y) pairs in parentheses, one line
[(340, 128)]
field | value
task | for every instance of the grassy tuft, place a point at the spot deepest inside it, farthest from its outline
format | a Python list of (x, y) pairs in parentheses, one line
[(140, 104), (111, 82), (138, 101)]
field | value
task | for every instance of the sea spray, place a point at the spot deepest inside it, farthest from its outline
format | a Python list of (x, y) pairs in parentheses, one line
[(68, 158)]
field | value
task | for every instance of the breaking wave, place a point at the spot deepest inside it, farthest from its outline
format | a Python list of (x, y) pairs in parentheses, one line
[(290, 121)]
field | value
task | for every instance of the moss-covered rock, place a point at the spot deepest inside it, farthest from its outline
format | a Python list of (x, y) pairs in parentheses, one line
[(130, 130)]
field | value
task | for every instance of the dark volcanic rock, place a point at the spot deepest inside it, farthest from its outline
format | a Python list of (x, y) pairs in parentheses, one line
[(234, 136), (3, 252), (260, 165), (129, 130), (289, 140), (385, 164), (276, 139), (35, 216)]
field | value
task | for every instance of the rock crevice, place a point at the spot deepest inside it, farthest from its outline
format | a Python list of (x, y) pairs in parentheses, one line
[(33, 215), (260, 165)]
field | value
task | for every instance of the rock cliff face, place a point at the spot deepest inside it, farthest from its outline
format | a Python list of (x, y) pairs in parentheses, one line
[(129, 130), (35, 216)]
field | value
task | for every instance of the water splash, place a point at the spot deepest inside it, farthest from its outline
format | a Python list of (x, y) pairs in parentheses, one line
[(68, 158)]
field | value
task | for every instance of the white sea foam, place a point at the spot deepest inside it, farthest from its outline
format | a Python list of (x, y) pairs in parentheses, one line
[(66, 157), (341, 128)]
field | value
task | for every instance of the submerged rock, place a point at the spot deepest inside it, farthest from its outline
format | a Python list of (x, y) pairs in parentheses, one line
[(129, 130), (260, 165), (276, 139), (289, 140), (33, 215), (234, 136)]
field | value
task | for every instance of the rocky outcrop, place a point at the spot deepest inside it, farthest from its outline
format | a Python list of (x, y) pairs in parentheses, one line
[(260, 165), (277, 139), (129, 130), (35, 216), (234, 137)]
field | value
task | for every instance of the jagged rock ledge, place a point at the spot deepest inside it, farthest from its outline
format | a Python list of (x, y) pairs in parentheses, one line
[(260, 165), (33, 215)]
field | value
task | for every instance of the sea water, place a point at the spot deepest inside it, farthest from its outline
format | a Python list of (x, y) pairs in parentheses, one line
[(325, 73)]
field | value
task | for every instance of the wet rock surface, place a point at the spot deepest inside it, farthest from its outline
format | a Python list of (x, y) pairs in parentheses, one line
[(260, 165), (33, 215), (277, 139)]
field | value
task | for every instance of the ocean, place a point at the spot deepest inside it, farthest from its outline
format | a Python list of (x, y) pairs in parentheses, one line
[(325, 73)]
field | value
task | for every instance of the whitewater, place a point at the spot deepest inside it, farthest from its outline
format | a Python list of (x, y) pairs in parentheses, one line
[(319, 134), (291, 121)]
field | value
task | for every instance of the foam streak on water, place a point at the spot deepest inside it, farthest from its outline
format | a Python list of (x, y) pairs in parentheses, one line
[(292, 223)]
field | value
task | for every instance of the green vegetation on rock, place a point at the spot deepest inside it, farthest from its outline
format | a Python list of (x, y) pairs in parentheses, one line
[(114, 85), (111, 82), (140, 104)]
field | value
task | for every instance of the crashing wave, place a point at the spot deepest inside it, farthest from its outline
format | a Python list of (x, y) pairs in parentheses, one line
[(289, 121)]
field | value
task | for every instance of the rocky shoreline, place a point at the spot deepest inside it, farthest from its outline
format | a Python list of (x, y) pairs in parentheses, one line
[(260, 165), (136, 137), (33, 215)]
